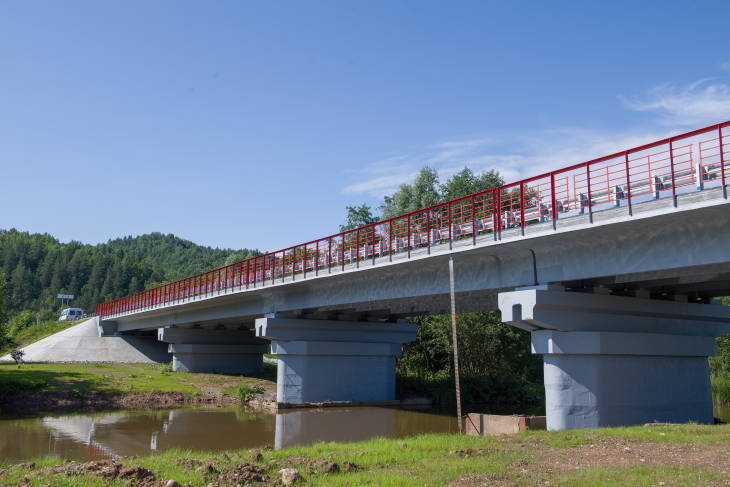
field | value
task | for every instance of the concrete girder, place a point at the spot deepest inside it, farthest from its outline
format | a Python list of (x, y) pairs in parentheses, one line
[(215, 350)]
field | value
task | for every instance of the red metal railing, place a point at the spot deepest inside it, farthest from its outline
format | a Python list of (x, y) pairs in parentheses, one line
[(631, 176)]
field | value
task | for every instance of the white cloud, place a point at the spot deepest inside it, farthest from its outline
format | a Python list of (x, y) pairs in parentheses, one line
[(526, 154), (700, 103), (537, 152)]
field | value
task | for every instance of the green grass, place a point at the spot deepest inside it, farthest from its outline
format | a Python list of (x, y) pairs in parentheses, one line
[(84, 377), (245, 392), (721, 388), (426, 460)]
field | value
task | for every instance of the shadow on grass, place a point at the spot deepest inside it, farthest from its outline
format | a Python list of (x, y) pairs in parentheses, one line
[(51, 380)]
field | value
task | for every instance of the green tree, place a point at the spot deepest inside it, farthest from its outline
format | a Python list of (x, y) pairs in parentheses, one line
[(5, 307), (466, 182), (358, 216), (422, 193)]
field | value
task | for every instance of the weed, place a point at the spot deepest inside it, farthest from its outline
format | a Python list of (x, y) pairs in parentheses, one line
[(77, 392), (163, 368), (246, 393), (721, 388)]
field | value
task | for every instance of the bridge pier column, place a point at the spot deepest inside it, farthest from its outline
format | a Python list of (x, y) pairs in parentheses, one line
[(323, 360), (216, 350), (613, 360)]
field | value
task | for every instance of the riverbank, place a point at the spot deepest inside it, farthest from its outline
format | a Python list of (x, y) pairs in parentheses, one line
[(64, 387), (643, 455)]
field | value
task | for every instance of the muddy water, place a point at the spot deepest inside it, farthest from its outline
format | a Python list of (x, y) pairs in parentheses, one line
[(722, 412), (97, 436), (82, 437)]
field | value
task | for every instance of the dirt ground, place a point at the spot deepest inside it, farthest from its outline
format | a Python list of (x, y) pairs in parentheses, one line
[(604, 452)]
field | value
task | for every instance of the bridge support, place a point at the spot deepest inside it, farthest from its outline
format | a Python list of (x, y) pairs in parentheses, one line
[(613, 360), (323, 360), (216, 350)]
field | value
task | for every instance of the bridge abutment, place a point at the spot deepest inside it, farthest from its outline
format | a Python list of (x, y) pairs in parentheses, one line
[(217, 350), (614, 360), (328, 360)]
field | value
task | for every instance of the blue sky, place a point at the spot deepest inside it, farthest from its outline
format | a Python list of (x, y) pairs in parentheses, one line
[(253, 124)]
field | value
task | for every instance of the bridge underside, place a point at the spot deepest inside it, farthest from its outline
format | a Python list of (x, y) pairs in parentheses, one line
[(662, 252)]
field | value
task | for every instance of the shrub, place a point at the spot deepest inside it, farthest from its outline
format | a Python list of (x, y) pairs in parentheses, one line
[(17, 355), (245, 392)]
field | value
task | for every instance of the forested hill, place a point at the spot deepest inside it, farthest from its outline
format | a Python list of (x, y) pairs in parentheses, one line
[(36, 267), (178, 257)]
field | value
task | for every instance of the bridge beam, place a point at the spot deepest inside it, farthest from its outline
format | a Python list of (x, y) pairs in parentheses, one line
[(214, 350), (613, 360), (330, 360)]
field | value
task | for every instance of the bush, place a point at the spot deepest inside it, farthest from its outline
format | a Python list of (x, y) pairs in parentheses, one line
[(246, 393), (17, 355), (721, 388), (20, 321)]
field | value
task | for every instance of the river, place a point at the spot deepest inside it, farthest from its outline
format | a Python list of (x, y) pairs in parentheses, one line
[(96, 436)]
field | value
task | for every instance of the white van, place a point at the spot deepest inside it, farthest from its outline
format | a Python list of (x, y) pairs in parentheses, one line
[(71, 314)]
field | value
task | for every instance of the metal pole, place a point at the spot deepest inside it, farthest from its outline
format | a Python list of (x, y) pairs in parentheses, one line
[(453, 334)]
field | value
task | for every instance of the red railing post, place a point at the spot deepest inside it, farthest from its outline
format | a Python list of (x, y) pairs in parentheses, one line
[(372, 246), (522, 205), (497, 210), (588, 181), (722, 156), (273, 266), (553, 199), (473, 218), (628, 178), (448, 217), (671, 165), (390, 237), (408, 235)]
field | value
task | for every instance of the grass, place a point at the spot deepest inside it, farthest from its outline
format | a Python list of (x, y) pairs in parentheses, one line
[(245, 392), (721, 388), (531, 458), (80, 378)]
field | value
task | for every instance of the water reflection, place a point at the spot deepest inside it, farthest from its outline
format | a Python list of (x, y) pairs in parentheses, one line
[(83, 437), (109, 435)]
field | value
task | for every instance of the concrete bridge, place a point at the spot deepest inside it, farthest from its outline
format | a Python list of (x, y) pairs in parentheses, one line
[(612, 264)]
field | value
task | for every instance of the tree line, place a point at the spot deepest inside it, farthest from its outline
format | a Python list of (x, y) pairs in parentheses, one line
[(35, 268)]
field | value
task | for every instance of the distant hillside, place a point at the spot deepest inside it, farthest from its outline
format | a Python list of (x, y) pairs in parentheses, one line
[(176, 256), (37, 267)]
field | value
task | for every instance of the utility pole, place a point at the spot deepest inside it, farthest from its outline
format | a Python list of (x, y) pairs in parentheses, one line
[(456, 350)]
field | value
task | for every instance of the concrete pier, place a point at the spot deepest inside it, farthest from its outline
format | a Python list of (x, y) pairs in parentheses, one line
[(327, 360), (614, 360), (214, 350)]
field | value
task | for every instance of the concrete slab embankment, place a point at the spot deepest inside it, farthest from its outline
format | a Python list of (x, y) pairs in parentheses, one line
[(82, 343)]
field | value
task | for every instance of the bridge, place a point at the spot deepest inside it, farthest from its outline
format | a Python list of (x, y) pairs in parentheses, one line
[(611, 264)]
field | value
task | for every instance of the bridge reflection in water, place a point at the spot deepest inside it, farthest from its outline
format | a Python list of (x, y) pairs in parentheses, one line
[(96, 436)]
